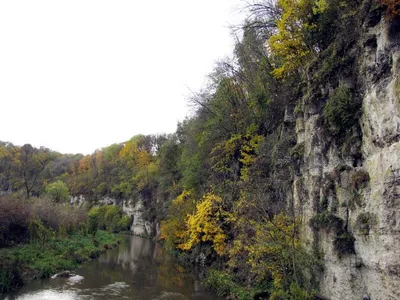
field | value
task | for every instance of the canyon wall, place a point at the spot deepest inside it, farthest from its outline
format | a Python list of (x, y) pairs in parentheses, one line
[(356, 183)]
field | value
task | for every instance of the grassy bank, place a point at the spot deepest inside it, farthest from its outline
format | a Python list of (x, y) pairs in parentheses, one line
[(40, 236), (25, 262)]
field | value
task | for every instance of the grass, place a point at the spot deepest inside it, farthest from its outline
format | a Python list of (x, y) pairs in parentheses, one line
[(26, 262)]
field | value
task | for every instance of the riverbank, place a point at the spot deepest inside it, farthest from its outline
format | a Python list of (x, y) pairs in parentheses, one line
[(138, 268), (23, 263)]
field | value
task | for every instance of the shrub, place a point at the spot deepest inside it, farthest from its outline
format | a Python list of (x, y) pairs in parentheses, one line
[(22, 219), (360, 180), (341, 112), (93, 220), (204, 225), (344, 243), (58, 191), (14, 214), (124, 223), (173, 229), (294, 292), (326, 220), (223, 285), (10, 272), (59, 216), (112, 217), (108, 217), (38, 232), (297, 151), (364, 222), (94, 254)]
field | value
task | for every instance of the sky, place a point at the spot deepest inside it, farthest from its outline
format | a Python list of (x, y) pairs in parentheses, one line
[(79, 75)]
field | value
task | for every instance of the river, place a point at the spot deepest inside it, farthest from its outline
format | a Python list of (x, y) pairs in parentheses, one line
[(138, 269)]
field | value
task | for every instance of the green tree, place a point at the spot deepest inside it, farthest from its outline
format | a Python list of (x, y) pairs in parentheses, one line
[(58, 191), (30, 163), (6, 167)]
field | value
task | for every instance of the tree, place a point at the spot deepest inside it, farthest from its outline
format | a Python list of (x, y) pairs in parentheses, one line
[(58, 191), (6, 166), (173, 228), (288, 43), (206, 225), (31, 162)]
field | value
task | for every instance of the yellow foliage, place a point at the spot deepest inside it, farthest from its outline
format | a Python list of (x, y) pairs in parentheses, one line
[(248, 155), (140, 162), (204, 225), (240, 147), (173, 230), (272, 247), (136, 157), (266, 246), (224, 152), (4, 152), (84, 164), (288, 43), (144, 175), (182, 198), (320, 6)]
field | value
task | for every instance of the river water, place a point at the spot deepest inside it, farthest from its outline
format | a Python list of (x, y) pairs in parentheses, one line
[(137, 269)]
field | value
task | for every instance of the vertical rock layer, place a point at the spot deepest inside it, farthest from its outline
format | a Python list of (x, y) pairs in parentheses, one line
[(356, 181)]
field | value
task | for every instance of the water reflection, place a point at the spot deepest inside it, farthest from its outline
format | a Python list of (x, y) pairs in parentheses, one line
[(138, 269)]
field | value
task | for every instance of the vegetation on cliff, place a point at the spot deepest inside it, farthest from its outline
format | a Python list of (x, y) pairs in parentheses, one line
[(221, 184)]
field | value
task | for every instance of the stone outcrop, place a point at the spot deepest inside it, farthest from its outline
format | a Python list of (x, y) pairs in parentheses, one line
[(135, 209), (140, 226), (359, 182), (353, 184)]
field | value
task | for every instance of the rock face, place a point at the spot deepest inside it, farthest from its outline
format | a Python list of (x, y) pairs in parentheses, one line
[(77, 200), (362, 190), (354, 183), (139, 226)]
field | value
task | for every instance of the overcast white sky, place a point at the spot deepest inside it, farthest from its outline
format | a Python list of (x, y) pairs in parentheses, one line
[(77, 75)]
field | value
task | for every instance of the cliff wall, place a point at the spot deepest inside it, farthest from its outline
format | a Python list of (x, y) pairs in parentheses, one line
[(348, 191)]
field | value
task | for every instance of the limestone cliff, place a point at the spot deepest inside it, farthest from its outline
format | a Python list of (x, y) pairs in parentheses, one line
[(348, 192), (342, 177), (135, 209)]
